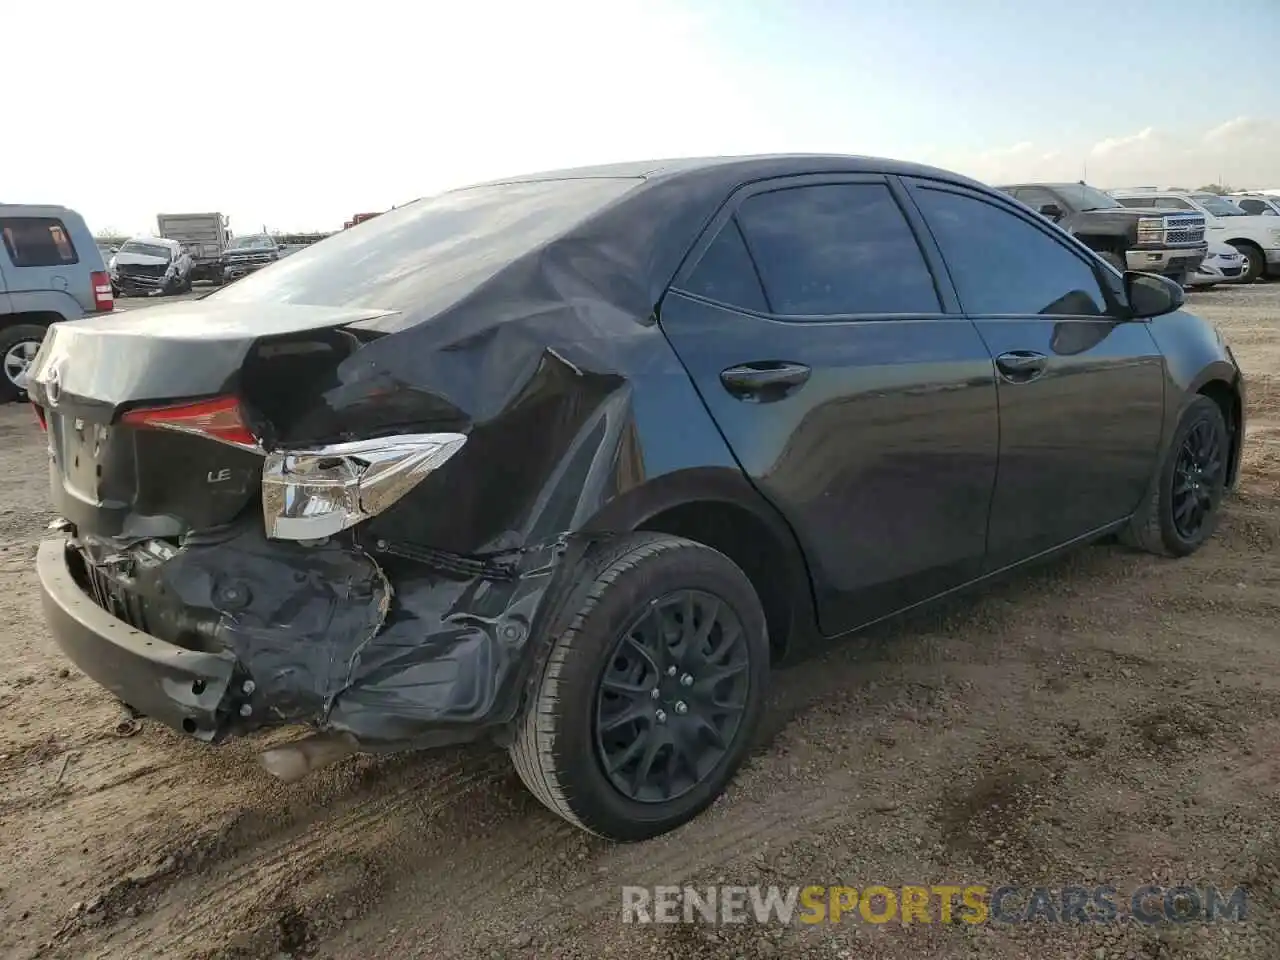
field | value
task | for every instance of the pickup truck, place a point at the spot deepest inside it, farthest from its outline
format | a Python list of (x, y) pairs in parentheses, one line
[(244, 255), (1169, 242), (1255, 237)]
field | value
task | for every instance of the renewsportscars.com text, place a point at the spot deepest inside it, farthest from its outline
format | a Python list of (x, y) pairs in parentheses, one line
[(939, 903)]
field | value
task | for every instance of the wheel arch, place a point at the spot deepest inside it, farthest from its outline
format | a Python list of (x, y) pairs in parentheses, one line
[(1226, 395), (719, 508)]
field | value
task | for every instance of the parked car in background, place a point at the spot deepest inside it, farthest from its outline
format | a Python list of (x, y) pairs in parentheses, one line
[(244, 255), (50, 270), (204, 235), (151, 266), (1257, 238), (1224, 264), (570, 460), (1168, 242), (1257, 204)]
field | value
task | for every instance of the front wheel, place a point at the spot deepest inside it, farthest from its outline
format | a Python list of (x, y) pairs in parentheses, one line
[(652, 689), (1182, 511)]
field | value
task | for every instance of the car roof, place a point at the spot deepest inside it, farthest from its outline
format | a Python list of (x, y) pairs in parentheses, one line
[(1042, 183), (742, 169), (162, 241)]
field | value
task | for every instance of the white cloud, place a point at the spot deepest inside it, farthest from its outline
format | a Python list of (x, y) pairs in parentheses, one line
[(1244, 152)]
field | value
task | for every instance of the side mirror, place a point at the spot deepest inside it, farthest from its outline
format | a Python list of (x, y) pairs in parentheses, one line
[(1051, 210), (1151, 295)]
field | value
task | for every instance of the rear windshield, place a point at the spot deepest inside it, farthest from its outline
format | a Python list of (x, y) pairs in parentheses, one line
[(37, 242), (424, 256), (146, 249)]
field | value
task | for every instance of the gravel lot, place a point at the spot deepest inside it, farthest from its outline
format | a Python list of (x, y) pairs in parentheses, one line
[(1109, 718)]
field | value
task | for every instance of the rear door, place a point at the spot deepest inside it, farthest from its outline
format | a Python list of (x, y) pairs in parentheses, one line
[(852, 392), (1081, 393)]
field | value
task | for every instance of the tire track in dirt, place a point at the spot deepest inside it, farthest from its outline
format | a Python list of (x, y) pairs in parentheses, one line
[(255, 860)]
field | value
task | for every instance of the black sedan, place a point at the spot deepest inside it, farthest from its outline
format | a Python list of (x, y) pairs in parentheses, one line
[(569, 461)]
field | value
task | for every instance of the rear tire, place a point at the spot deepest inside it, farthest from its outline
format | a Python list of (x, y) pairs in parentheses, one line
[(620, 636), (1255, 262), (1201, 440), (16, 354)]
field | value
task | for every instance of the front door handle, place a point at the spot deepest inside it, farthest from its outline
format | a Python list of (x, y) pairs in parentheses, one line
[(1019, 366), (764, 380)]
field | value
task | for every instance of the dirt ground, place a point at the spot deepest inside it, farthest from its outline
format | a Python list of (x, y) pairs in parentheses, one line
[(1109, 718)]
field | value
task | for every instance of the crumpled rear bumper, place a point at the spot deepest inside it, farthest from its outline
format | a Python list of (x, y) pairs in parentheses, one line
[(183, 689), (236, 632)]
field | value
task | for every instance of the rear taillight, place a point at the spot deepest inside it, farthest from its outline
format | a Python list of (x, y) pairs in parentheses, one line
[(39, 415), (102, 298), (217, 419)]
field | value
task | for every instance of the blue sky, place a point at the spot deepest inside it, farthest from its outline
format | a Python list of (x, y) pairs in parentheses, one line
[(296, 115)]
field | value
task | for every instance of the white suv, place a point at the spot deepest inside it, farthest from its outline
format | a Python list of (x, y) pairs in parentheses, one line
[(1256, 237)]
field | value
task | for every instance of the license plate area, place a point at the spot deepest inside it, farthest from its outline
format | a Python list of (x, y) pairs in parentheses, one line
[(87, 457)]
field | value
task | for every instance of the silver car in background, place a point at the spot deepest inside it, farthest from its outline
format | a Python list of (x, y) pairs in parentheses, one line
[(1223, 264)]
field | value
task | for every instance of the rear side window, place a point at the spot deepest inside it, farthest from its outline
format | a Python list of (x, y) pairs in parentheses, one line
[(726, 274), (837, 249), (37, 242), (1003, 265)]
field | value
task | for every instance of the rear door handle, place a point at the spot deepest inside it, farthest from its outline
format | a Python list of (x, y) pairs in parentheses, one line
[(764, 380), (1019, 366)]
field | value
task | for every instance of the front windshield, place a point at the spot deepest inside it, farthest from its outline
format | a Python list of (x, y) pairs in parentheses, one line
[(1081, 196), (1218, 206), (250, 243), (146, 249)]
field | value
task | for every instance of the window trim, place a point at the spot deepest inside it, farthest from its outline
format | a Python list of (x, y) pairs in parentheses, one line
[(1070, 245), (948, 306), (60, 223)]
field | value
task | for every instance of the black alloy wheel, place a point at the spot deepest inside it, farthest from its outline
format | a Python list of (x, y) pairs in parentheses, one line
[(644, 612), (1197, 477), (672, 696), (1182, 509)]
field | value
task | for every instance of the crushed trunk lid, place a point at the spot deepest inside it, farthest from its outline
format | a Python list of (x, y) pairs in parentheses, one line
[(94, 377)]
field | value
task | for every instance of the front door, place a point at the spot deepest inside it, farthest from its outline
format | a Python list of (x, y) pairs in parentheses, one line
[(850, 389), (1081, 393)]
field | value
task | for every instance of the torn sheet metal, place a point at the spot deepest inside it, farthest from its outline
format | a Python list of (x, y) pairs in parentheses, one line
[(320, 636)]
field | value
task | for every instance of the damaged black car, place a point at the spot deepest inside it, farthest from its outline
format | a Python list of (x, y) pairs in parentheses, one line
[(570, 461)]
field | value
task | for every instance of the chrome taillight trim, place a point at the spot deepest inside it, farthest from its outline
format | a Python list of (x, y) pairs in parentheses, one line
[(314, 493)]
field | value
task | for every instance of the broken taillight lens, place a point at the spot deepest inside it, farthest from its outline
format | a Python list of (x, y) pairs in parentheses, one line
[(40, 415), (312, 494), (217, 419), (103, 299)]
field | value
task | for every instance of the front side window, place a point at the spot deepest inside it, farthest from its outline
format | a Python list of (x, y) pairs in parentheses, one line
[(726, 274), (37, 242), (1255, 208), (1003, 265), (835, 250)]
